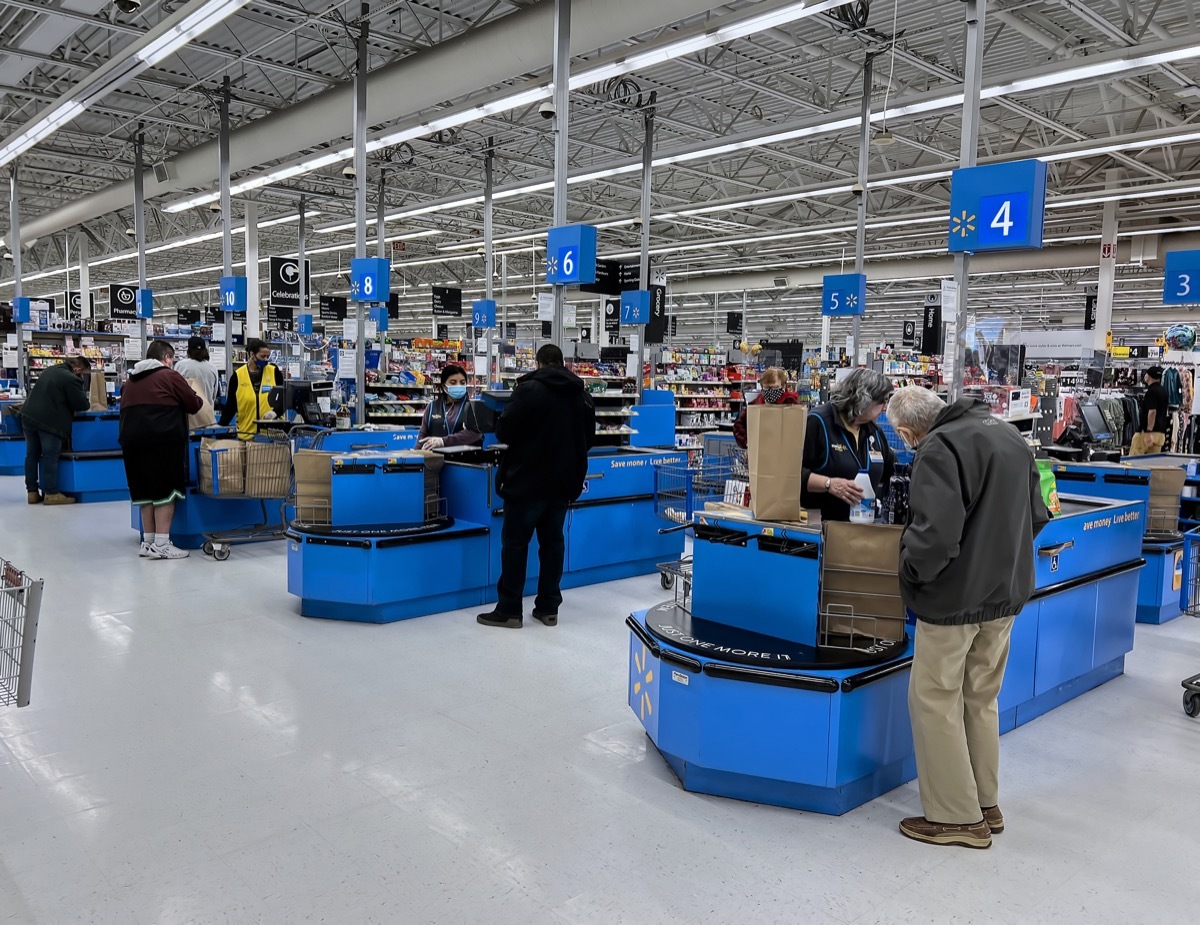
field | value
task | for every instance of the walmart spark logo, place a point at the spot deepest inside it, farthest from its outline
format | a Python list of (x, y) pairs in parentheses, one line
[(851, 300), (962, 225), (551, 266), (641, 683)]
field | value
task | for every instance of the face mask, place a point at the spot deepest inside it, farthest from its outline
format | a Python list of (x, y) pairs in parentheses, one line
[(772, 396), (261, 364), (456, 391)]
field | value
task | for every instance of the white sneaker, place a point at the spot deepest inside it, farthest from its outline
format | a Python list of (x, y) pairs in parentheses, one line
[(146, 551), (168, 551)]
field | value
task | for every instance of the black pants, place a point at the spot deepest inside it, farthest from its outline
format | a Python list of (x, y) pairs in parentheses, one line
[(42, 447), (521, 520)]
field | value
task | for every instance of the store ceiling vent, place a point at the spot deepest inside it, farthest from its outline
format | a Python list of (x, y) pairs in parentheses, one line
[(781, 282), (163, 172)]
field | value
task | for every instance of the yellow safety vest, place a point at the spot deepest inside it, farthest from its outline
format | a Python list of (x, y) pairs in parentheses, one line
[(251, 403)]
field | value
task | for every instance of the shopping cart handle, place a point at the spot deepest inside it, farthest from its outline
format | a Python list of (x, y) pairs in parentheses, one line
[(666, 530), (594, 475), (1049, 551)]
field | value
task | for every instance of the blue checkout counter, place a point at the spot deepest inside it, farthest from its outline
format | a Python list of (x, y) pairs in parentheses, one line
[(92, 469), (742, 701), (12, 440), (1161, 585), (380, 572)]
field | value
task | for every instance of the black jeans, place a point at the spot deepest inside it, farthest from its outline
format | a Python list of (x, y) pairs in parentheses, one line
[(44, 447), (521, 520)]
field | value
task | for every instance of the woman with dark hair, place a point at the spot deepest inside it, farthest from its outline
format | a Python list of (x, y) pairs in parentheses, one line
[(198, 367), (249, 388), (842, 440), (451, 418)]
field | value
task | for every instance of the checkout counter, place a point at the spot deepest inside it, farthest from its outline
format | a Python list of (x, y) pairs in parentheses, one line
[(745, 696), (12, 439), (90, 469)]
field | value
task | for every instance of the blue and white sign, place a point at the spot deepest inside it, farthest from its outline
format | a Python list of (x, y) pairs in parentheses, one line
[(1181, 280), (22, 311), (370, 279), (571, 255), (483, 313), (844, 294), (145, 303), (379, 314), (635, 306), (234, 290), (998, 207), (304, 324)]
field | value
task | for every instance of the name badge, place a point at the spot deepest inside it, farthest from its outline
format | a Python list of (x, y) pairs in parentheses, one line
[(877, 459)]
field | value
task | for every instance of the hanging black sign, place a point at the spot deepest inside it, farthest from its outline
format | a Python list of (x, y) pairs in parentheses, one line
[(791, 352), (394, 306), (443, 332), (674, 326), (333, 308), (656, 330), (122, 303), (281, 319), (510, 330), (733, 323), (1089, 309), (188, 316), (933, 334), (910, 334), (612, 316), (585, 334), (447, 302), (285, 282), (547, 329), (75, 304), (614, 277), (1139, 353)]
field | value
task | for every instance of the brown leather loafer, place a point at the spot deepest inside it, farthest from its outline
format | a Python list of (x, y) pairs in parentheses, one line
[(938, 833), (33, 497), (994, 819), (58, 498)]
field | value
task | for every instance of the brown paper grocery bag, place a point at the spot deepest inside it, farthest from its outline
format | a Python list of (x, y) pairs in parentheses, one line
[(205, 417), (97, 392), (775, 446)]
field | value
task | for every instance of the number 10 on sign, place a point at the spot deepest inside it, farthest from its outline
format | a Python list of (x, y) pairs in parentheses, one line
[(1181, 280)]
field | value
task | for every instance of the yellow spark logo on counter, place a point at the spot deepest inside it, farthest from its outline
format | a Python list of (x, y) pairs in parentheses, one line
[(645, 675), (962, 225)]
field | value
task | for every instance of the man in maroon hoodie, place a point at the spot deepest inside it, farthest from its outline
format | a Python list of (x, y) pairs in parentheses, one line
[(772, 391), (155, 403)]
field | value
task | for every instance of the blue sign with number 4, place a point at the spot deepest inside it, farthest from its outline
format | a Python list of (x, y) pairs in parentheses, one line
[(234, 291), (998, 207), (1181, 279), (370, 279)]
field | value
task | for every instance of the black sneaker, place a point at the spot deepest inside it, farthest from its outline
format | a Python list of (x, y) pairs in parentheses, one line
[(549, 619), (495, 618)]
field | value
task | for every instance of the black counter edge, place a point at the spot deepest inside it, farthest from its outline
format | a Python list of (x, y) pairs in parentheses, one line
[(597, 502), (1131, 566), (875, 674), (640, 632), (694, 665), (772, 678)]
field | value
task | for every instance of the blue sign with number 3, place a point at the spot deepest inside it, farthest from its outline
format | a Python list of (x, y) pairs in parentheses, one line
[(1181, 278), (998, 207)]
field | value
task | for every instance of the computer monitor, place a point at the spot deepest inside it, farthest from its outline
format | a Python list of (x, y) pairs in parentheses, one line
[(1094, 423), (300, 396)]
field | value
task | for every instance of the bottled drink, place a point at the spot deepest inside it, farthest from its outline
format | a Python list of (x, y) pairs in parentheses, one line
[(864, 511)]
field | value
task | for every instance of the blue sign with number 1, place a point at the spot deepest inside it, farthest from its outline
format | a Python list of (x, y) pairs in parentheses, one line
[(1181, 279)]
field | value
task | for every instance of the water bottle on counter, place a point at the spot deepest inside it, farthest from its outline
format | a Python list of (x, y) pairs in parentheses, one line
[(864, 511)]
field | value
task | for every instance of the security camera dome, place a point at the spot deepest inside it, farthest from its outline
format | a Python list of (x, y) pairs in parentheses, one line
[(128, 6)]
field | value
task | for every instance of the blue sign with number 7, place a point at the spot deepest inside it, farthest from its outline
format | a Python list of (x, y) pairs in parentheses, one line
[(1181, 278)]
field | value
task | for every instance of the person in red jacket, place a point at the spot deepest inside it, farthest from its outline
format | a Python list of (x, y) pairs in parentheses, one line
[(772, 386), (155, 403)]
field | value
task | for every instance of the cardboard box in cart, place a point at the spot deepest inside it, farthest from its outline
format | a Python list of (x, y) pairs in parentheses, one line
[(860, 581), (1166, 487)]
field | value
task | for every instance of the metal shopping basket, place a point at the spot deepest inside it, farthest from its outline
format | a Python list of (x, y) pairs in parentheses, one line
[(20, 602), (259, 469), (680, 492), (1189, 603)]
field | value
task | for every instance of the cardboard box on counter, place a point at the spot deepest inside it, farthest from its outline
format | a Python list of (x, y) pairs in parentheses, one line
[(1006, 400), (860, 581)]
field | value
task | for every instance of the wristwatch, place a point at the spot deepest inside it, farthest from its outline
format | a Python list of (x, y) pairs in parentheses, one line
[(828, 482)]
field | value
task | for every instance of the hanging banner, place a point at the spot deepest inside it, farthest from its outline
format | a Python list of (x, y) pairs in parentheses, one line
[(932, 329), (333, 308), (1089, 308), (612, 316), (443, 332), (122, 303), (656, 330), (910, 334), (284, 291), (733, 323), (187, 316), (447, 302)]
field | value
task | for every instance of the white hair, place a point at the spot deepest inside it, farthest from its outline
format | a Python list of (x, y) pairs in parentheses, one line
[(914, 407)]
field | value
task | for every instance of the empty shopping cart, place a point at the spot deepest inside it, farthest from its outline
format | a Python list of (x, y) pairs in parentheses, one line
[(20, 602)]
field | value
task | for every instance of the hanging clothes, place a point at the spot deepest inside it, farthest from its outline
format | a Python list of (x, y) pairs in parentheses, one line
[(1172, 382)]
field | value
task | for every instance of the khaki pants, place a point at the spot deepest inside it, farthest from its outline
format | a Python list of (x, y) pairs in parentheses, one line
[(1147, 442), (956, 676)]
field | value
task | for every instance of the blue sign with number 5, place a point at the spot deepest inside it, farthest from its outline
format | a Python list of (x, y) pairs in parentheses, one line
[(370, 279), (998, 207), (844, 294), (1181, 279), (571, 255)]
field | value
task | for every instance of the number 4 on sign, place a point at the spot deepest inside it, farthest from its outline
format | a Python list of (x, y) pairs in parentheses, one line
[(1003, 220)]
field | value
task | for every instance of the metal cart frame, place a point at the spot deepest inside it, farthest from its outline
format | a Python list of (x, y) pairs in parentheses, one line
[(268, 471), (1189, 603), (20, 606)]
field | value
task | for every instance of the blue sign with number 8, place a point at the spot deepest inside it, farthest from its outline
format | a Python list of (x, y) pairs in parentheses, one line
[(370, 279)]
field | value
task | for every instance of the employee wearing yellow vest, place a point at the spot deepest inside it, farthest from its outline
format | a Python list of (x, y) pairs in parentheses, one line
[(249, 388)]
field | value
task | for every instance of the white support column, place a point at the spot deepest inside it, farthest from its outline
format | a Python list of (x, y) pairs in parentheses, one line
[(82, 245), (254, 297), (1108, 266)]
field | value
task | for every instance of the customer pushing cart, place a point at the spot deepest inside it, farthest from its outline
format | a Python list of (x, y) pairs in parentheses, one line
[(20, 602)]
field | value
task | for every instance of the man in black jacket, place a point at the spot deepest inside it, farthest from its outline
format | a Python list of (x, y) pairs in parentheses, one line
[(46, 419), (549, 425), (966, 570)]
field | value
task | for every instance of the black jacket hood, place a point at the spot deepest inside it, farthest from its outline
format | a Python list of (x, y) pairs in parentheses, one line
[(558, 378)]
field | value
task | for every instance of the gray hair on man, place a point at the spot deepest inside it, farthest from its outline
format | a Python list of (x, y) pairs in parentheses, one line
[(855, 394), (914, 408)]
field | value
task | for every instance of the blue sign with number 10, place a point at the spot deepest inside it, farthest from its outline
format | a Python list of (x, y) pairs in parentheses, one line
[(1181, 278)]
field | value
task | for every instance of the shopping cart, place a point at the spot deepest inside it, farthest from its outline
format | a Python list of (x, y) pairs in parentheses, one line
[(20, 602), (901, 453), (257, 469), (681, 491), (1189, 603)]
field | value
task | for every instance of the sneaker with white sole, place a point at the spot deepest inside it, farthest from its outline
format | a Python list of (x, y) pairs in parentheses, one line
[(146, 551), (168, 551)]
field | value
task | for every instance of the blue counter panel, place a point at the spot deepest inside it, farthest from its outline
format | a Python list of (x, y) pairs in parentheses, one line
[(197, 515), (1162, 579), (1022, 660), (93, 478), (96, 432), (12, 455), (1116, 599), (1066, 637)]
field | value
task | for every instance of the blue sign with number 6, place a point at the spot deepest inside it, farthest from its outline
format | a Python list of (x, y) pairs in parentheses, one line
[(1181, 279), (571, 255)]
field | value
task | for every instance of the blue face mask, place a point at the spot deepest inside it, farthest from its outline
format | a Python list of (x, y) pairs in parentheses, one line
[(261, 364), (456, 392)]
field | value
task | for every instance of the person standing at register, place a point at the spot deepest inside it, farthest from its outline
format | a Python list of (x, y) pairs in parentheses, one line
[(841, 440), (450, 419), (1152, 422), (772, 390), (966, 570)]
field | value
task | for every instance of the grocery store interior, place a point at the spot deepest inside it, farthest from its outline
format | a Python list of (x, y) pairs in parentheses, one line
[(302, 719)]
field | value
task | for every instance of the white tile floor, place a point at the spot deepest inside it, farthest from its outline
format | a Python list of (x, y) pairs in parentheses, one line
[(197, 752)]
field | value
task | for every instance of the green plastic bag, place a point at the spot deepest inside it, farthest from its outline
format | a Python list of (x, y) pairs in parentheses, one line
[(1049, 486)]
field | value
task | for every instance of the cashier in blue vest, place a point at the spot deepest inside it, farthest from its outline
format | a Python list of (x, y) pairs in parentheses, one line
[(451, 419), (841, 440)]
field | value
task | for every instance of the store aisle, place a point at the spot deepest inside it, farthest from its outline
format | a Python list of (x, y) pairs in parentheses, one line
[(197, 752)]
